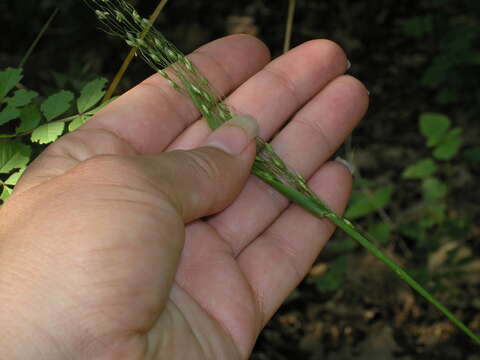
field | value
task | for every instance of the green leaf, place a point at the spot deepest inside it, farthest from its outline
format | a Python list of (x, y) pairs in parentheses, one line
[(365, 204), (342, 245), (13, 179), (449, 145), (77, 122), (48, 133), (8, 114), (30, 117), (21, 98), (334, 277), (414, 231), (56, 104), (421, 169), (91, 94), (6, 192), (329, 282), (82, 119), (381, 232), (434, 189), (101, 106), (435, 213), (13, 155), (434, 127), (8, 79)]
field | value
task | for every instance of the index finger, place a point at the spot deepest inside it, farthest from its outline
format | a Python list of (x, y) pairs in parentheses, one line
[(152, 114)]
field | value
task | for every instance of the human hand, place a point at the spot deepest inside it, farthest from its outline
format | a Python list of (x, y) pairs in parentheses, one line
[(95, 259)]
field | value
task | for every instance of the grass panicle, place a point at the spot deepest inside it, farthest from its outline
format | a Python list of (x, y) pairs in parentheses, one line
[(123, 21), (133, 51)]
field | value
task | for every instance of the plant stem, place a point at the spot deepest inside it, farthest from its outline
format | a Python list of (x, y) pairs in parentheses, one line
[(289, 26), (349, 228), (322, 211), (11, 136), (37, 39)]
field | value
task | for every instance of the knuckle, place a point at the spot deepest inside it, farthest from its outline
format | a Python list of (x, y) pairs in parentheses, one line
[(83, 144), (97, 165), (205, 166), (207, 171)]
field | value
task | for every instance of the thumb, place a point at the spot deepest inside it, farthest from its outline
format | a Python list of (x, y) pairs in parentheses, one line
[(205, 180)]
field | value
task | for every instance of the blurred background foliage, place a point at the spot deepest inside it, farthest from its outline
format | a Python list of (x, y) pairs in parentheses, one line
[(417, 155)]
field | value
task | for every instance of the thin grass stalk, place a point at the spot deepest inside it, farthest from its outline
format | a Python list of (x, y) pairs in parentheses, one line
[(289, 25), (37, 39), (122, 20), (317, 209)]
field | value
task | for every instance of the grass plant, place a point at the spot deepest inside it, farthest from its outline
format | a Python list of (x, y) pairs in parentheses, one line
[(123, 21)]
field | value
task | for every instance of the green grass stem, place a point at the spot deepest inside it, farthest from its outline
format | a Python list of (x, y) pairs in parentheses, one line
[(37, 39), (321, 211)]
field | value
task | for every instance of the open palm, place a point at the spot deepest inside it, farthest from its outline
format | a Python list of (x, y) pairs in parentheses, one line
[(133, 296)]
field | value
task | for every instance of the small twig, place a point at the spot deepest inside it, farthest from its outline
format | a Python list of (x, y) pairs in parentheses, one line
[(37, 39), (13, 136)]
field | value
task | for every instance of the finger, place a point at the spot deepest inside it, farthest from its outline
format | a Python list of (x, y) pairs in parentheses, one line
[(148, 117), (305, 143), (279, 90), (205, 180), (68, 152), (152, 114), (276, 262), (114, 210)]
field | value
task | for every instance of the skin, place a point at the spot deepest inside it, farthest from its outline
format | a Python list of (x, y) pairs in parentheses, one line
[(122, 242)]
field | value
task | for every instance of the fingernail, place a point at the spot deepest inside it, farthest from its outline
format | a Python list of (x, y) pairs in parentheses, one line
[(234, 136), (349, 166), (349, 64)]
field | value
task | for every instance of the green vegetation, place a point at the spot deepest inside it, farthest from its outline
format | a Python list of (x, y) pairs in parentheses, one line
[(415, 198), (35, 119)]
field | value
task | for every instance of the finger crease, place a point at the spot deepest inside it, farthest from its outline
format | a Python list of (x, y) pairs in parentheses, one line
[(316, 128), (165, 95), (219, 65), (288, 84)]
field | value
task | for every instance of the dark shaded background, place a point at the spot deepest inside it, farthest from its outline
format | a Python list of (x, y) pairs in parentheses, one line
[(430, 63)]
